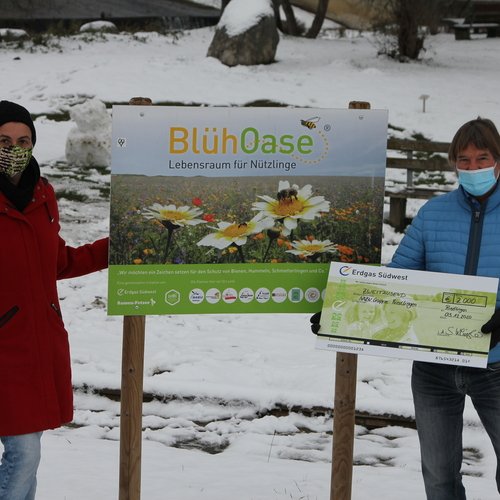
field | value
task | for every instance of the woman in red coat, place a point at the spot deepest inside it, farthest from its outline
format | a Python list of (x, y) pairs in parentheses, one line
[(35, 372)]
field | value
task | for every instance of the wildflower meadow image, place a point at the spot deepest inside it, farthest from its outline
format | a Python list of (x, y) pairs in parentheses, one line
[(198, 220)]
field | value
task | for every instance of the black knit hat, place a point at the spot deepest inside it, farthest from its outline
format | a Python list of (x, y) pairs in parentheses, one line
[(12, 112)]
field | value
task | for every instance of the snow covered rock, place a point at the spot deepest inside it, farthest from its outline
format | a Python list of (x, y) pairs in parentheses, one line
[(9, 34), (99, 26), (89, 143), (246, 34)]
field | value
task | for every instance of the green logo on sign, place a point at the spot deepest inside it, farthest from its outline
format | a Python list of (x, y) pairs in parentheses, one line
[(172, 297)]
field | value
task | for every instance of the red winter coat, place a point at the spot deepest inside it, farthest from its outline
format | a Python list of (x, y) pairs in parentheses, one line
[(35, 371)]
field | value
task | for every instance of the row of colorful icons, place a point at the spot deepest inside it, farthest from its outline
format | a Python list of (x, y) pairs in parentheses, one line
[(260, 295)]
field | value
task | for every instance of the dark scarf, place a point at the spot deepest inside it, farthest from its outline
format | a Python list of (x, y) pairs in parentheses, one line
[(22, 194)]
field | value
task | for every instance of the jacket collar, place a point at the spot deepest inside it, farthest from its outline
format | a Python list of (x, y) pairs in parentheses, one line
[(40, 196), (468, 201)]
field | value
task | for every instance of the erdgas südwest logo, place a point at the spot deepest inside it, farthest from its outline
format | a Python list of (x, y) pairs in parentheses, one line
[(353, 271), (345, 270)]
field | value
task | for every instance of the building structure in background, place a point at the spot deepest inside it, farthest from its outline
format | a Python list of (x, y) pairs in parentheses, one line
[(38, 15), (356, 14), (362, 14)]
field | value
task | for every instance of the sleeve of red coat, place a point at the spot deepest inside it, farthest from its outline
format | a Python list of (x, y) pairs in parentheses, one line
[(73, 262)]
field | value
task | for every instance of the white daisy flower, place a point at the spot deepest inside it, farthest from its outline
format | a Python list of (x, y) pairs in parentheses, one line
[(176, 216), (227, 233), (292, 204), (306, 248)]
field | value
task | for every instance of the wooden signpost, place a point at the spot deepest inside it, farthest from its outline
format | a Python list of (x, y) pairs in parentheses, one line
[(344, 406), (132, 396), (134, 332), (131, 407)]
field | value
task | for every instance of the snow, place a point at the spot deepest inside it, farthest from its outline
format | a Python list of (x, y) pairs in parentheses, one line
[(12, 33), (98, 26), (89, 143), (251, 390), (240, 15)]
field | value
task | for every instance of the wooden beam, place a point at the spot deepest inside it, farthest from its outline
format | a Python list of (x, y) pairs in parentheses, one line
[(131, 407), (344, 406), (134, 333)]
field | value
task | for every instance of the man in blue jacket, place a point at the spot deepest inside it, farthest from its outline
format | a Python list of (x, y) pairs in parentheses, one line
[(459, 233)]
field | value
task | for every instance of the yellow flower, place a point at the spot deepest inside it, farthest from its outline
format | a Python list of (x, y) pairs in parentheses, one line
[(292, 204)]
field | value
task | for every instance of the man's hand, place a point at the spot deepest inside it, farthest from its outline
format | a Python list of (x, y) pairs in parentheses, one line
[(315, 319), (492, 326)]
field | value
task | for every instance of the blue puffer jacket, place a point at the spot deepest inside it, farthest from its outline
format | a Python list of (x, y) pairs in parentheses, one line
[(453, 233)]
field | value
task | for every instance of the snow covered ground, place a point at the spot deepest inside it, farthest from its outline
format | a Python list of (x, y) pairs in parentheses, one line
[(241, 407)]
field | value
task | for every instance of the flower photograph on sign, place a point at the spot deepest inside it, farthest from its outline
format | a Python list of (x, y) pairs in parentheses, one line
[(295, 222)]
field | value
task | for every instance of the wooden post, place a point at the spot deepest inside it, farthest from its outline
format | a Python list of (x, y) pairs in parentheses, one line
[(343, 426), (131, 407), (134, 332), (397, 213), (344, 407)]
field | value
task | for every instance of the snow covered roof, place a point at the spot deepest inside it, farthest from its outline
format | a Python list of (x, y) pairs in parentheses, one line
[(85, 9)]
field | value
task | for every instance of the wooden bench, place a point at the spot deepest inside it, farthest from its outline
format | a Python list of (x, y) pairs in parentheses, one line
[(464, 31), (479, 16), (415, 157)]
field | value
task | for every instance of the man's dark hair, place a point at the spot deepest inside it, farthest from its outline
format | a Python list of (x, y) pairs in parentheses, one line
[(480, 132)]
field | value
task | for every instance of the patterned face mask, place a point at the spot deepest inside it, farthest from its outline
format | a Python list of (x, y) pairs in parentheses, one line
[(14, 159)]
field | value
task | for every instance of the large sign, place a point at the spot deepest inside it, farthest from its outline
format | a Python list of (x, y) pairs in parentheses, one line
[(400, 313), (240, 210)]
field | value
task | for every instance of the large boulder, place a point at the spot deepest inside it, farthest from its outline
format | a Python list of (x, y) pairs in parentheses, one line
[(249, 40)]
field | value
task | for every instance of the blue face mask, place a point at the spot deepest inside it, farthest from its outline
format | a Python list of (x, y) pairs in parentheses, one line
[(477, 182)]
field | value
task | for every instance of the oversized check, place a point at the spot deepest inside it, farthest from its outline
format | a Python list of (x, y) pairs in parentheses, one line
[(400, 313)]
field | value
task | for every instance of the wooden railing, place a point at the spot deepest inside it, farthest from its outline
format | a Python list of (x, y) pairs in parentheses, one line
[(415, 157)]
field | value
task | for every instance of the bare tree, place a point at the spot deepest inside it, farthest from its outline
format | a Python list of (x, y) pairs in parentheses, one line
[(276, 9), (292, 26), (223, 5), (319, 19), (410, 17)]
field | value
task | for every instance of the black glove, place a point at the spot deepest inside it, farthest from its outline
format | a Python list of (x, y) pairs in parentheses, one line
[(315, 319), (492, 326)]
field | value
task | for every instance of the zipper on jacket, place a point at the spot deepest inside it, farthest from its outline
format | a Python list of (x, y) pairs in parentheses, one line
[(51, 219), (58, 311), (475, 236), (8, 315)]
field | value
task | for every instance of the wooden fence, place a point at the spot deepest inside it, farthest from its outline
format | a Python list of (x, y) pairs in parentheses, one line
[(415, 158)]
